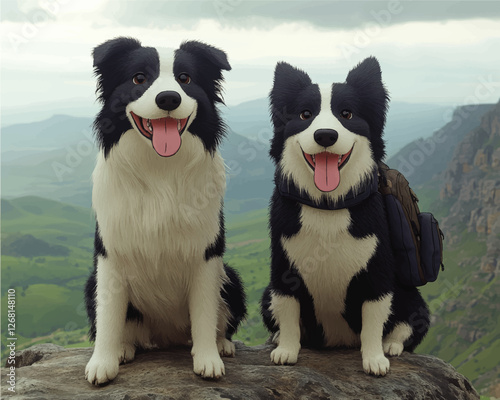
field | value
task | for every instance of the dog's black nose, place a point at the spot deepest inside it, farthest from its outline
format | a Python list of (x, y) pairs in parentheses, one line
[(168, 100), (326, 137)]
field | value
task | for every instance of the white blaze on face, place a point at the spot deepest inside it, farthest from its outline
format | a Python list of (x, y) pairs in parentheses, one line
[(328, 177), (163, 127), (326, 160)]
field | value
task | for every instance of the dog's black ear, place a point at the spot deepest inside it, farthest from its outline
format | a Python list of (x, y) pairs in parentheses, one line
[(208, 62), (366, 79), (365, 73), (107, 55), (209, 53), (112, 49), (288, 81)]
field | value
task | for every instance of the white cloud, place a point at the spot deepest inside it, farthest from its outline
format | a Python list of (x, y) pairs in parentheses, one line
[(422, 61)]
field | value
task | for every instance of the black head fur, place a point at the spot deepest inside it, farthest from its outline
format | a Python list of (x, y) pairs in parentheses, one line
[(363, 93), (118, 60)]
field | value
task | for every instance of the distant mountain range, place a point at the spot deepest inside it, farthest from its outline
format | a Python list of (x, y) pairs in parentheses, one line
[(54, 158), (425, 158)]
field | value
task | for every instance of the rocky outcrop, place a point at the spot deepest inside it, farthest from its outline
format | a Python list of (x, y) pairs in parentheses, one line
[(52, 372), (424, 159), (472, 181), (471, 193)]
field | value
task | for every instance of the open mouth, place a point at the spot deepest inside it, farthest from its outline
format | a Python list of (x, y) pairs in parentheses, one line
[(326, 167), (164, 133)]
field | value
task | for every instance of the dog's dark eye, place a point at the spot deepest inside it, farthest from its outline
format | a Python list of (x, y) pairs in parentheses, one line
[(346, 114), (306, 114), (139, 78), (184, 78)]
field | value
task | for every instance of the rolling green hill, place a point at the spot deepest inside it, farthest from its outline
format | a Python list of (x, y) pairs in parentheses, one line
[(248, 252), (50, 287), (47, 251), (464, 305), (46, 256)]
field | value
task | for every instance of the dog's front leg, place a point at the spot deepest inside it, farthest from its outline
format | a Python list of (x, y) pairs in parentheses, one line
[(374, 314), (111, 307), (286, 312), (204, 304)]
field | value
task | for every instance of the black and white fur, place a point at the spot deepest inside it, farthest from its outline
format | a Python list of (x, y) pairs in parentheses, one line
[(332, 271), (158, 277)]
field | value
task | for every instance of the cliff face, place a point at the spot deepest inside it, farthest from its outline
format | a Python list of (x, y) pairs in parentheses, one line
[(465, 301), (472, 184), (424, 159), (52, 372)]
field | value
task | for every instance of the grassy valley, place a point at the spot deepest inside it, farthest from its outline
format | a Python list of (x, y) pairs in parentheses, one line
[(463, 297), (248, 252), (47, 256), (49, 288)]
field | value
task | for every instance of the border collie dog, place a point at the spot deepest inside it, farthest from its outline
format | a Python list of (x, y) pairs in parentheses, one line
[(332, 270), (159, 183)]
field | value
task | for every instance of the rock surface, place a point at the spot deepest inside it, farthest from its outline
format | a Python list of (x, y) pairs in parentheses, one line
[(52, 372)]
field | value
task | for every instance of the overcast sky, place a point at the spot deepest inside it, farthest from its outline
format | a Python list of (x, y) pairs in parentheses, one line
[(445, 52)]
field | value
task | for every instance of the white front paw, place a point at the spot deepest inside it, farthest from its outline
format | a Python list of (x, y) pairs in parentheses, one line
[(101, 369), (285, 355), (208, 365), (226, 347), (393, 348), (376, 365)]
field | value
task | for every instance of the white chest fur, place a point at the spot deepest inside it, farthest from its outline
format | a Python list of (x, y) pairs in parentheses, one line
[(327, 257), (157, 216)]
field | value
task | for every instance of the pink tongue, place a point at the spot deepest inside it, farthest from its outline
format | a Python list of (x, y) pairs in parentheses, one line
[(326, 172), (166, 137)]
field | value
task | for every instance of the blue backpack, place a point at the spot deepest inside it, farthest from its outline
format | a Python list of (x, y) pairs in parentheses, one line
[(416, 239)]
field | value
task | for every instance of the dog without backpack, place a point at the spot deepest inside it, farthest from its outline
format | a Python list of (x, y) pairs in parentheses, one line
[(416, 239)]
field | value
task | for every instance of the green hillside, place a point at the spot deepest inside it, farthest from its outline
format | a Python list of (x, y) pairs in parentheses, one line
[(47, 251), (248, 252), (464, 304), (46, 256), (50, 305)]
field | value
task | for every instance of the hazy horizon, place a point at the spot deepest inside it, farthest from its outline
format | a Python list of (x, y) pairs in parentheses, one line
[(444, 52)]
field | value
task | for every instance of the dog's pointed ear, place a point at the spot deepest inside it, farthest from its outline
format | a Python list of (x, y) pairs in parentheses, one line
[(106, 55), (111, 49), (366, 79), (209, 62), (365, 73), (209, 53), (288, 84), (288, 78), (288, 81)]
